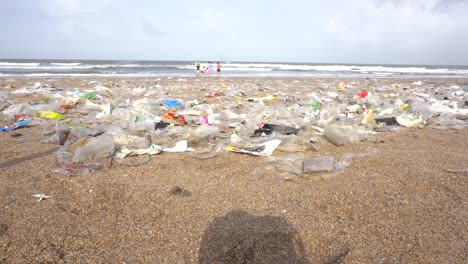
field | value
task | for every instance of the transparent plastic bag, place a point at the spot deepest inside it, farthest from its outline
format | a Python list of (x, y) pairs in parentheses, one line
[(341, 135), (81, 156), (347, 158)]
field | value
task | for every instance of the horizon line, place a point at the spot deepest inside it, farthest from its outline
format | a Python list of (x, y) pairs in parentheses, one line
[(238, 61)]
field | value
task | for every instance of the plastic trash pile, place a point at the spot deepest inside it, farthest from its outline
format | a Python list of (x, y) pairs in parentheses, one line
[(118, 122)]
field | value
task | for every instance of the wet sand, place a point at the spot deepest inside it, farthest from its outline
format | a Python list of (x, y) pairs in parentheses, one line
[(399, 206)]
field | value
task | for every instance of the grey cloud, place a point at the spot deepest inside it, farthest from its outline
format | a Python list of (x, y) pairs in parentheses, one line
[(448, 6), (152, 29)]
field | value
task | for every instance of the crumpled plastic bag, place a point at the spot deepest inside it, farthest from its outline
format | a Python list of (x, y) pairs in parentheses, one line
[(85, 155), (4, 104), (15, 125), (406, 120), (181, 146), (280, 129), (347, 158), (90, 96), (172, 103), (285, 168), (341, 135), (151, 150), (264, 149), (16, 109), (49, 114)]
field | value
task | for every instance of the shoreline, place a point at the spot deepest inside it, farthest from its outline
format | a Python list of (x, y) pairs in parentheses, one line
[(408, 77)]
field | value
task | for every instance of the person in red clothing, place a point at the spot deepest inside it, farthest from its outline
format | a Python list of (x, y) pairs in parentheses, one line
[(218, 69)]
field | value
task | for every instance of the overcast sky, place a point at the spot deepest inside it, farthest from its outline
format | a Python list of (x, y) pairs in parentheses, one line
[(347, 31)]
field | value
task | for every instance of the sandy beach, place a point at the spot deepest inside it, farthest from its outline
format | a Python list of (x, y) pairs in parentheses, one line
[(401, 205)]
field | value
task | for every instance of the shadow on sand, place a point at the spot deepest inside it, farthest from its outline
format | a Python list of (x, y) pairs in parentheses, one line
[(20, 160), (239, 237)]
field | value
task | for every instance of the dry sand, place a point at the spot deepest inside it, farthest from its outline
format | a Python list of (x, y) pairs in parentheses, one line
[(400, 206)]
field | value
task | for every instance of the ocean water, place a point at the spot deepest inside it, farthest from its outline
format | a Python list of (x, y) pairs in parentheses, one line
[(102, 68)]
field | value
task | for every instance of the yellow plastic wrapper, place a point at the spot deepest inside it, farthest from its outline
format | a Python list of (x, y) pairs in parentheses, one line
[(51, 115), (269, 98), (341, 85), (230, 148), (368, 117)]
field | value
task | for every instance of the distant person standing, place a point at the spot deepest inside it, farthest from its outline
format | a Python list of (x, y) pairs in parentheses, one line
[(218, 69), (197, 66), (208, 68)]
